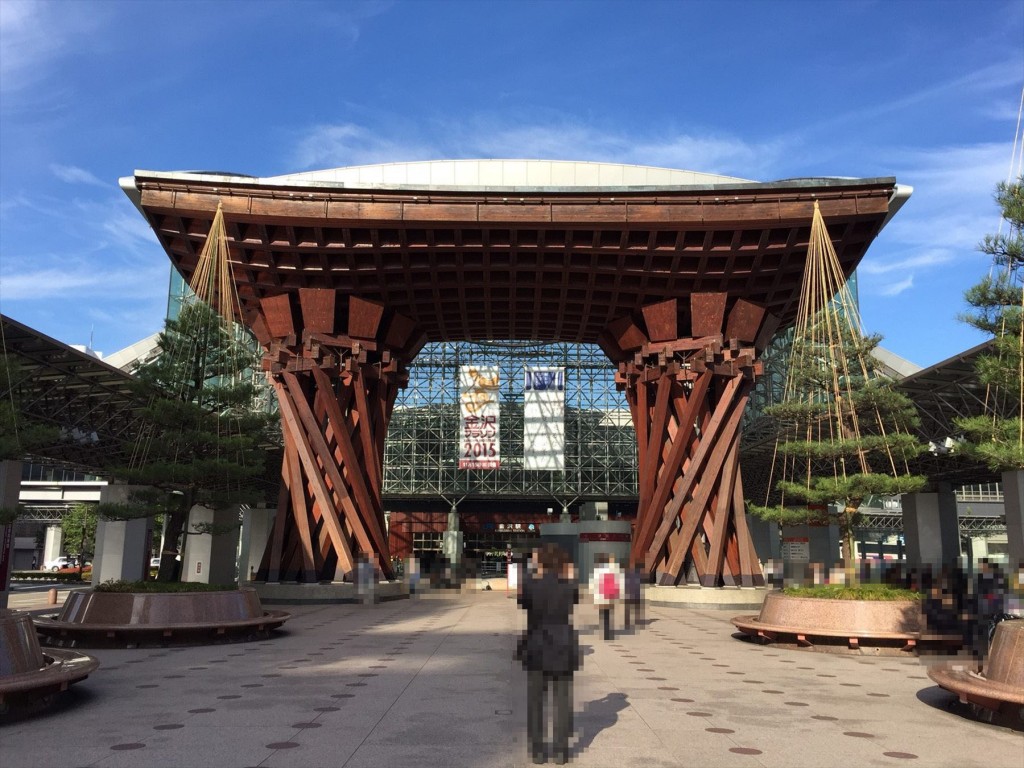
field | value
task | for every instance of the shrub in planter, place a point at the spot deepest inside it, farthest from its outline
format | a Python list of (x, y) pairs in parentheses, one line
[(855, 592)]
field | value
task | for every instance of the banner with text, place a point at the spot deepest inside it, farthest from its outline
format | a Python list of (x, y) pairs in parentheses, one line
[(478, 406), (544, 419)]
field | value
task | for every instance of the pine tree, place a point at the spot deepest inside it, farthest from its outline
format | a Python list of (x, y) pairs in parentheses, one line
[(79, 527), (208, 439), (997, 303), (844, 440)]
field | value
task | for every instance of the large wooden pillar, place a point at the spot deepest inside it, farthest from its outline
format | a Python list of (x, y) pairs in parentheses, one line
[(336, 371), (687, 395)]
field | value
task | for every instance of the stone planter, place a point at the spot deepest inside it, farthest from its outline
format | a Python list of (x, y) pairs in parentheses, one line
[(28, 676), (91, 619), (999, 687), (808, 621)]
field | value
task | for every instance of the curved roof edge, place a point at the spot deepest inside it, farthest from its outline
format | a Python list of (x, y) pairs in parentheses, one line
[(504, 173), (508, 176)]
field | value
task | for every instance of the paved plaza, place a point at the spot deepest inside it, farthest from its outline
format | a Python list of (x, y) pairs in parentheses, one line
[(432, 682)]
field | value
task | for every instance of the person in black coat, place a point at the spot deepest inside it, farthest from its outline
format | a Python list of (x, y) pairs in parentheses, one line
[(549, 650)]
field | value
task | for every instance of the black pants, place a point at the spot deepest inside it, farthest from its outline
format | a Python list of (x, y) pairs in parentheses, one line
[(606, 620), (537, 685), (634, 612)]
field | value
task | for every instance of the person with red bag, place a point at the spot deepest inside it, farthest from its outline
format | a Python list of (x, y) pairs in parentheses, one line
[(607, 587)]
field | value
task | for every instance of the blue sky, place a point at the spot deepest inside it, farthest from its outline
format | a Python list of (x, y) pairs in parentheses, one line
[(927, 92)]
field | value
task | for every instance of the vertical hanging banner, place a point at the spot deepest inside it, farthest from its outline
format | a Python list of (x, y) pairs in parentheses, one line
[(544, 419), (478, 405)]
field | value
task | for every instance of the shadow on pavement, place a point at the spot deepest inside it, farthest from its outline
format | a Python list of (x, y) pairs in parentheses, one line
[(49, 706), (597, 715), (1011, 717)]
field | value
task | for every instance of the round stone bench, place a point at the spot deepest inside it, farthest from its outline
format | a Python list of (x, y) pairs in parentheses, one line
[(804, 620), (93, 619), (999, 687), (28, 676)]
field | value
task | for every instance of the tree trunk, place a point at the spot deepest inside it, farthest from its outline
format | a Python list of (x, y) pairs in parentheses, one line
[(846, 530), (175, 525)]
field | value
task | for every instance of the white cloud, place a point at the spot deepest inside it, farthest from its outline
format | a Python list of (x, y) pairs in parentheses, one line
[(331, 146), (28, 42), (326, 146), (72, 174), (950, 211), (36, 35), (122, 222), (957, 172), (46, 283), (104, 253), (975, 83), (926, 259), (83, 281), (710, 153), (347, 18), (894, 289)]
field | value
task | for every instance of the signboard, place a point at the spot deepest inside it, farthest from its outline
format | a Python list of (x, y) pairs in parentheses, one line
[(479, 446), (796, 549), (544, 419), (6, 555), (513, 575)]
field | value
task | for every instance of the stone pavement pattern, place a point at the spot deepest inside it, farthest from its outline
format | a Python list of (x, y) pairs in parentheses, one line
[(431, 682)]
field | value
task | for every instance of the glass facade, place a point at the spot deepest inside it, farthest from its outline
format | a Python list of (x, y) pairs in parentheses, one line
[(422, 447), (177, 293)]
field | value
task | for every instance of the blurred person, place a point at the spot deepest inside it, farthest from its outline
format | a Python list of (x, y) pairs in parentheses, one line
[(607, 586), (365, 576), (549, 650), (991, 586), (412, 572), (634, 603)]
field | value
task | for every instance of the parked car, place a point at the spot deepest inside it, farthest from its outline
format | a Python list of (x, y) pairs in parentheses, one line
[(154, 562), (60, 562)]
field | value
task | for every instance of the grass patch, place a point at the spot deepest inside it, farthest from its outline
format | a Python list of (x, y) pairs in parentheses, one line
[(163, 587), (855, 592)]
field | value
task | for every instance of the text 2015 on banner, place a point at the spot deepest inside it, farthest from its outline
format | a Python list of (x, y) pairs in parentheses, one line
[(479, 445)]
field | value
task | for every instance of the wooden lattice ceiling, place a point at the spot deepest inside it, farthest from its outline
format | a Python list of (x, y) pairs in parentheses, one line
[(543, 265)]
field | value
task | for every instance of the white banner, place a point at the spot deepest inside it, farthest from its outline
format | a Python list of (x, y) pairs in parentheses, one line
[(479, 447), (544, 419)]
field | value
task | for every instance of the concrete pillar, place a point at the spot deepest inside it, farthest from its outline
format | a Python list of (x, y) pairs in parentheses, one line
[(766, 539), (10, 488), (931, 528), (602, 536), (451, 541), (122, 546), (53, 544), (257, 526), (567, 536), (211, 558), (1013, 507), (122, 550)]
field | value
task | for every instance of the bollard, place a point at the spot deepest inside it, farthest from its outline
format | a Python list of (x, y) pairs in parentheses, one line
[(53, 596)]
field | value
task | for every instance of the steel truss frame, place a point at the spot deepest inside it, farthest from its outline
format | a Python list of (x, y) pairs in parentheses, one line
[(422, 448)]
